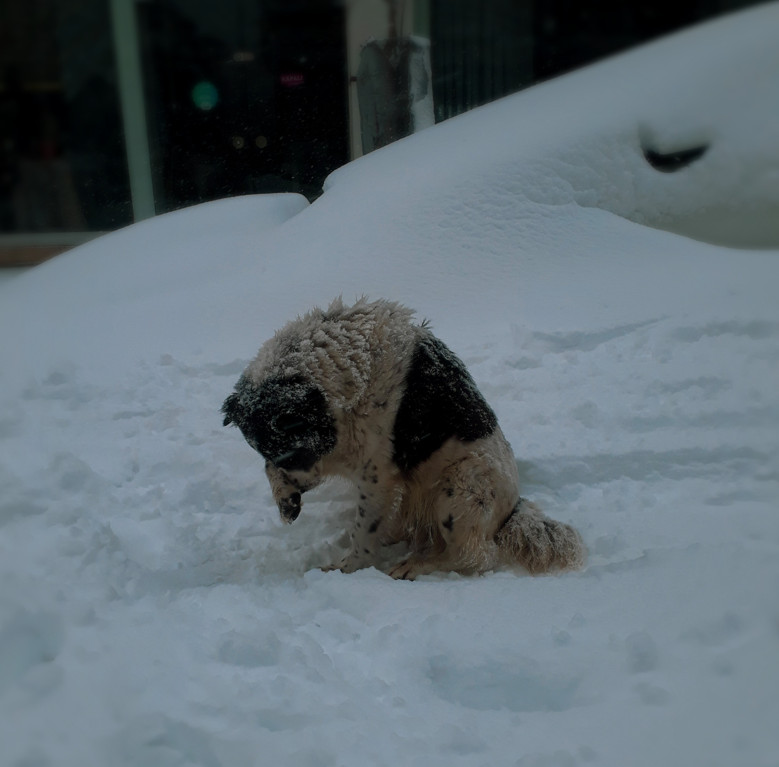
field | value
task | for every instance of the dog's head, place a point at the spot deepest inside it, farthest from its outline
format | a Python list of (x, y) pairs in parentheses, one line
[(286, 420)]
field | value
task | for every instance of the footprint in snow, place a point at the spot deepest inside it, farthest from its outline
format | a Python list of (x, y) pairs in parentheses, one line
[(491, 686)]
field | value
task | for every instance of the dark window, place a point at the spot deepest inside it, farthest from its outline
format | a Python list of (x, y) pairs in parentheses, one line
[(480, 52), (62, 156), (243, 97), (484, 49)]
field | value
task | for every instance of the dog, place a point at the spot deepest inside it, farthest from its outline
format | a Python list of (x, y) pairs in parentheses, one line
[(365, 393)]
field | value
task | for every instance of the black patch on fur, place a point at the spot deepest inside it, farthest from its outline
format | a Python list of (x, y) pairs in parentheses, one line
[(441, 401), (449, 524), (285, 419), (374, 525)]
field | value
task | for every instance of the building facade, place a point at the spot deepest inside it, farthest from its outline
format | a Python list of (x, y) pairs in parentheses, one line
[(112, 111)]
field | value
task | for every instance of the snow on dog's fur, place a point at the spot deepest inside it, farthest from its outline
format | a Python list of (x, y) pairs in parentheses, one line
[(364, 393)]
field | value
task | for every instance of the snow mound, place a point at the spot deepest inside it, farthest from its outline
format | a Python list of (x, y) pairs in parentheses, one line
[(153, 610)]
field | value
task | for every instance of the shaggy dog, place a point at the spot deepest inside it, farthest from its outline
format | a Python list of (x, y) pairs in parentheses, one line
[(364, 393)]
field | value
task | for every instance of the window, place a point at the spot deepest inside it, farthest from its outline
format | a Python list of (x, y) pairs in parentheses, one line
[(243, 97), (62, 154)]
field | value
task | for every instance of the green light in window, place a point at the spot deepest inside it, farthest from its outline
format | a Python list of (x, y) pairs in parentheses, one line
[(205, 96)]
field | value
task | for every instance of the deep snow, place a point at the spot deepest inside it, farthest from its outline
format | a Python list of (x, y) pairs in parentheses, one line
[(154, 611)]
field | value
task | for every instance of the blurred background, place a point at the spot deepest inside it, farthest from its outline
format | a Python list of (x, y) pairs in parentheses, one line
[(112, 111)]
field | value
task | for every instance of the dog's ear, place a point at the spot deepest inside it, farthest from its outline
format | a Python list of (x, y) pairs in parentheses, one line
[(230, 408)]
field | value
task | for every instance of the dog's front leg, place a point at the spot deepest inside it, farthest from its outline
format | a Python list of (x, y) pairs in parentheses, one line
[(376, 507), (287, 489)]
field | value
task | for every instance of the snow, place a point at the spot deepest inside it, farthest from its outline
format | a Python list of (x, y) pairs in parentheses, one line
[(153, 610)]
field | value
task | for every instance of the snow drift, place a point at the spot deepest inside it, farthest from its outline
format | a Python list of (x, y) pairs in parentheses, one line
[(154, 611)]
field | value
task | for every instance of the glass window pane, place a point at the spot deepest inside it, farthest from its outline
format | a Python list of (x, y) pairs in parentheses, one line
[(243, 97), (62, 158)]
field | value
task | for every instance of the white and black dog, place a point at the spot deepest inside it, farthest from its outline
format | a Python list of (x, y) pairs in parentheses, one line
[(364, 393)]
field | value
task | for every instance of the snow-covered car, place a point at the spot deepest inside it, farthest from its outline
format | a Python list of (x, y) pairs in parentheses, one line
[(603, 252)]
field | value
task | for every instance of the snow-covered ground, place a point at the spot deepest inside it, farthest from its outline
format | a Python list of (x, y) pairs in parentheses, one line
[(154, 611), (8, 272)]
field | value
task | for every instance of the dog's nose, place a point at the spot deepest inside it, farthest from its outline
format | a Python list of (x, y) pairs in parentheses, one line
[(289, 508)]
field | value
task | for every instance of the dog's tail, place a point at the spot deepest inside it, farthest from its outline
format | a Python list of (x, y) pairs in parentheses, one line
[(538, 543)]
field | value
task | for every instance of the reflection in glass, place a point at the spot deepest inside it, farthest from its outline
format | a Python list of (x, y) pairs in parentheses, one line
[(62, 158)]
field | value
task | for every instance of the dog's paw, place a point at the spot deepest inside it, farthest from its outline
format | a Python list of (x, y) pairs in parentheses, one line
[(346, 565), (410, 568)]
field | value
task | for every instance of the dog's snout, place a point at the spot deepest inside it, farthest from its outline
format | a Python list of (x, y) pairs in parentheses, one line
[(289, 507)]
